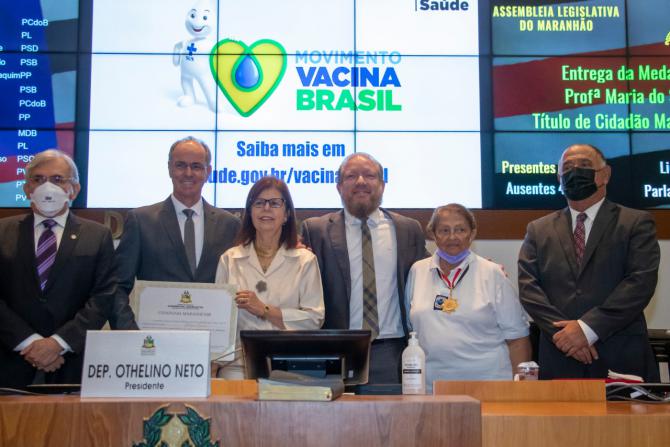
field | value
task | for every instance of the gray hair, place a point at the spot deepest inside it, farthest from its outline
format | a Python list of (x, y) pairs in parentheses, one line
[(455, 208), (208, 153), (50, 155), (362, 155)]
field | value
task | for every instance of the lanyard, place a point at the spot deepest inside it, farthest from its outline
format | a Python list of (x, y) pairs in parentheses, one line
[(451, 285)]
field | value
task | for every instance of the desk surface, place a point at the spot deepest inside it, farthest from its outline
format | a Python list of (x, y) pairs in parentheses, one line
[(574, 409)]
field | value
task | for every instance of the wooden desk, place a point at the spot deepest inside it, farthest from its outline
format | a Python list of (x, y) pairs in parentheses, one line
[(575, 424), (561, 414), (507, 416), (242, 421)]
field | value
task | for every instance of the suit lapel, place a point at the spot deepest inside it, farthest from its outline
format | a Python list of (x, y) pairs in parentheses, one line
[(563, 227), (605, 216), (209, 241), (67, 244), (27, 247), (168, 218), (400, 239), (338, 239)]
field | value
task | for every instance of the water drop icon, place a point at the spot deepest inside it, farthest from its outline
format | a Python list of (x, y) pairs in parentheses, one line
[(247, 74)]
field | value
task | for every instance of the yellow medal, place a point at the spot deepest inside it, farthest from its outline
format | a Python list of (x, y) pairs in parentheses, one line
[(450, 305)]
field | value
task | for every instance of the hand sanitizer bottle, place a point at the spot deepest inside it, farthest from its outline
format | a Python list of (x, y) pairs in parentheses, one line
[(413, 367)]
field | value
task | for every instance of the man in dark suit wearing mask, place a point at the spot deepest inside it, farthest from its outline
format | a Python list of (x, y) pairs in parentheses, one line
[(179, 239), (586, 273), (56, 279)]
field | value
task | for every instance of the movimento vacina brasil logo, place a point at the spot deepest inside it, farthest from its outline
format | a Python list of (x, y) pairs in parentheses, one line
[(330, 80), (247, 75)]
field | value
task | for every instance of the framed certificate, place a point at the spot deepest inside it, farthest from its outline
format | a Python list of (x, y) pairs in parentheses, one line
[(190, 306)]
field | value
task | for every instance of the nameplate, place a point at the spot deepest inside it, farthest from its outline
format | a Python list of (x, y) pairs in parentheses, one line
[(146, 364)]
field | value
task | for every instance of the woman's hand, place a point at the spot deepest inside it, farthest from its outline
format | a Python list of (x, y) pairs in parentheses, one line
[(247, 300)]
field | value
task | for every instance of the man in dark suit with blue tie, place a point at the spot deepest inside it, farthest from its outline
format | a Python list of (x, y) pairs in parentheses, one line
[(586, 273), (56, 279), (179, 239)]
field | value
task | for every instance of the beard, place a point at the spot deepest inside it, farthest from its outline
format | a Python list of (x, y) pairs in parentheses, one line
[(363, 209)]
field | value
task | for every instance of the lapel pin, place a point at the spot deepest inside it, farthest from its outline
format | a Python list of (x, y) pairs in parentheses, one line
[(73, 236)]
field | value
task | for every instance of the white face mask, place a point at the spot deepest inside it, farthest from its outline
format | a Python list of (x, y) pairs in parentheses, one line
[(49, 199)]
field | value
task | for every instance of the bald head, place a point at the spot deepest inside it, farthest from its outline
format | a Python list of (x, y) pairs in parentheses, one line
[(583, 173), (581, 156)]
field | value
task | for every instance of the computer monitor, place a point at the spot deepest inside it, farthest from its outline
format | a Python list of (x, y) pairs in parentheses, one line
[(320, 353)]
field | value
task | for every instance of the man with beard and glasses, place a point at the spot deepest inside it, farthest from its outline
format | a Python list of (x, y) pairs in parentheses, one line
[(365, 253), (586, 273)]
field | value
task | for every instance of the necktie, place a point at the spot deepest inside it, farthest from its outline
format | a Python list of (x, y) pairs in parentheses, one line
[(370, 317), (580, 237), (46, 252), (189, 239)]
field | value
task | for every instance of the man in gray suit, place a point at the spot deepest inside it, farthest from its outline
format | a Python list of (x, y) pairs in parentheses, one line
[(179, 239), (586, 273), (364, 254)]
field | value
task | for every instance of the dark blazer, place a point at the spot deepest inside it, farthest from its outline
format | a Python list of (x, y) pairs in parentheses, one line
[(326, 236), (152, 249), (78, 295), (609, 292)]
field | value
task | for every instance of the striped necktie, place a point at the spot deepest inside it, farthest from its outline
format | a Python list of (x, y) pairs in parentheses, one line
[(46, 252), (370, 317)]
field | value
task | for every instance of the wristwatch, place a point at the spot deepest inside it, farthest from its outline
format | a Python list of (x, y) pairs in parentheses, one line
[(266, 311)]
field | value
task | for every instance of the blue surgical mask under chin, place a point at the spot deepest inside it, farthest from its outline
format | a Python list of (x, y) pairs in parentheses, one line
[(453, 260)]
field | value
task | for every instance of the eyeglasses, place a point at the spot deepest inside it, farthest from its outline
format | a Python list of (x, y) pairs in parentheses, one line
[(353, 177), (456, 231), (195, 167), (55, 179), (276, 202)]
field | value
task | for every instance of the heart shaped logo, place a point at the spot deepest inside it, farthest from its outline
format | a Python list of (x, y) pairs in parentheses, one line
[(247, 75)]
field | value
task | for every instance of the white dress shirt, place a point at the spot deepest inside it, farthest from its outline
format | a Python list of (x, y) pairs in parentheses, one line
[(385, 252), (57, 230), (198, 223), (591, 213)]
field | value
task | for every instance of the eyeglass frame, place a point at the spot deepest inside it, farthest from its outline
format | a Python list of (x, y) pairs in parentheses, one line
[(260, 203), (183, 166), (57, 180)]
